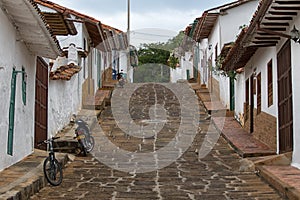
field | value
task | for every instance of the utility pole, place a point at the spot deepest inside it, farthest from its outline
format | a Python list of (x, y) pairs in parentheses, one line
[(128, 38), (128, 18)]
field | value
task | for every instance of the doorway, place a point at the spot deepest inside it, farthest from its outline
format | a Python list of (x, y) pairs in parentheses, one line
[(285, 98), (41, 102)]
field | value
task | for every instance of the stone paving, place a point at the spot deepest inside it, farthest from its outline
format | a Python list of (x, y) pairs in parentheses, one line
[(192, 175)]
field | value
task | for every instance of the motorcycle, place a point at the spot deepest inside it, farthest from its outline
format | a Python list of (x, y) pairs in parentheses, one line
[(83, 135), (121, 82)]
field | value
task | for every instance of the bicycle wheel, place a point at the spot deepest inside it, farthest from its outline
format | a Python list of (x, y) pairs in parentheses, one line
[(90, 144), (53, 171)]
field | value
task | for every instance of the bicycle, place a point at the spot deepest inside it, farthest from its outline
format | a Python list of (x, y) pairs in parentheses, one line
[(52, 168)]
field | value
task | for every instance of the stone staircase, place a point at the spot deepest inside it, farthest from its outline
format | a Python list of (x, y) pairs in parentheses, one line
[(90, 113)]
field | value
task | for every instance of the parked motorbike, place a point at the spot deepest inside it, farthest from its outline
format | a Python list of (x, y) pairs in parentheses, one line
[(121, 82), (83, 135)]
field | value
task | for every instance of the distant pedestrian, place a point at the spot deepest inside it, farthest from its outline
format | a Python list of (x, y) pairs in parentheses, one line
[(121, 79), (114, 74), (120, 74)]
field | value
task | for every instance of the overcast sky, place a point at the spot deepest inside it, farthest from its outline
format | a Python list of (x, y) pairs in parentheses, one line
[(149, 18)]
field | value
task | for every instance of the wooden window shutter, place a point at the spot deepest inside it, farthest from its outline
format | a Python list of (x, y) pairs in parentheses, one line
[(258, 93), (246, 106), (270, 84)]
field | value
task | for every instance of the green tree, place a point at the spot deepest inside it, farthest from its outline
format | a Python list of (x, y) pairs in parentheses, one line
[(152, 53), (155, 60)]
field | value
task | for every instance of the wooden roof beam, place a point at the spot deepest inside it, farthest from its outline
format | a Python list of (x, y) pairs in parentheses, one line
[(272, 32), (286, 18), (283, 13), (275, 23), (285, 7), (287, 2)]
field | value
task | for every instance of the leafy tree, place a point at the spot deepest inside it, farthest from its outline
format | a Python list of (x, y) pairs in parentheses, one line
[(152, 72), (155, 60), (149, 53)]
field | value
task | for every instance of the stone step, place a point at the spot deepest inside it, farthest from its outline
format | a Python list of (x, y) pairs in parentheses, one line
[(25, 178), (65, 146)]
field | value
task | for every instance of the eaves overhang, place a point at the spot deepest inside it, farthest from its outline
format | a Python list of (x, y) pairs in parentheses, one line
[(93, 25), (270, 24), (31, 27), (209, 17)]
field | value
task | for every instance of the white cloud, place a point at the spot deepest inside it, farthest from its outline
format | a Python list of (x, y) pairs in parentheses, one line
[(152, 26), (174, 20)]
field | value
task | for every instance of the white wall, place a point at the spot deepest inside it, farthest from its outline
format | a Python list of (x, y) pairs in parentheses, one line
[(14, 53), (186, 63), (203, 59), (258, 63), (176, 74), (296, 96), (64, 97), (236, 17), (239, 94), (123, 64), (123, 61), (64, 41), (63, 101), (214, 41), (226, 28)]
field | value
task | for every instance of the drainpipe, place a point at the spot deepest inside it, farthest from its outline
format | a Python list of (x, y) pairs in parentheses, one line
[(12, 106)]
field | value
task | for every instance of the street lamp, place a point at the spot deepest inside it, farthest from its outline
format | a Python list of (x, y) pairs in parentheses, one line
[(295, 35)]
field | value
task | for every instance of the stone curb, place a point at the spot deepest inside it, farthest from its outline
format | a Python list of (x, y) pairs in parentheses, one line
[(283, 188), (32, 182)]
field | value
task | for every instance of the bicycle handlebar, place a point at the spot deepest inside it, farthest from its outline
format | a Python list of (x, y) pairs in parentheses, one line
[(47, 141)]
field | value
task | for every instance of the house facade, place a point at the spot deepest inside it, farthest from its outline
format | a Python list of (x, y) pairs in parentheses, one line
[(25, 38), (185, 70), (267, 87), (213, 35), (91, 50)]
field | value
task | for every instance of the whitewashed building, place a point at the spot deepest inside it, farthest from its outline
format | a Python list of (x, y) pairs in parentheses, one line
[(90, 49), (267, 90), (184, 70), (24, 36), (214, 31)]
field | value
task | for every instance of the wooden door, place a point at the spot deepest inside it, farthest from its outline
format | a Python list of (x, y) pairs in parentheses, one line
[(41, 102), (285, 98)]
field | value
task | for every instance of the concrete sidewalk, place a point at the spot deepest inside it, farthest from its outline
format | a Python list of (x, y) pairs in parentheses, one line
[(26, 177), (275, 169), (243, 142)]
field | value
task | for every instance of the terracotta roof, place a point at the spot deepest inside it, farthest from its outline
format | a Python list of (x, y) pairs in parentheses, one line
[(187, 30), (62, 9), (226, 48), (111, 28), (95, 28), (268, 25), (32, 27), (238, 53), (207, 21), (93, 25), (64, 72), (60, 24)]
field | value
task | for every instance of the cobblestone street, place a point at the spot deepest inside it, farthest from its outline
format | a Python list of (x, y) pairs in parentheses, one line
[(154, 116)]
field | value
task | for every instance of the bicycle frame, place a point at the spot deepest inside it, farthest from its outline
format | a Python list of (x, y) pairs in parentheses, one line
[(51, 150)]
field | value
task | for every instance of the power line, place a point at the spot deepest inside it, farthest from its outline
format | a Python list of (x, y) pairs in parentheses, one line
[(152, 34)]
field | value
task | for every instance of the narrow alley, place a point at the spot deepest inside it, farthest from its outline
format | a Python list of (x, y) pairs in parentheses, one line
[(218, 175)]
